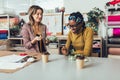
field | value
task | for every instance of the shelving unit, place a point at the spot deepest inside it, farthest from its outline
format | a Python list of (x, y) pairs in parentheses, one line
[(97, 51), (112, 24), (15, 44), (4, 26), (61, 43), (5, 23)]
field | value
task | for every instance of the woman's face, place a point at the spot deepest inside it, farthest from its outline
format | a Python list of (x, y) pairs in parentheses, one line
[(74, 27), (38, 16)]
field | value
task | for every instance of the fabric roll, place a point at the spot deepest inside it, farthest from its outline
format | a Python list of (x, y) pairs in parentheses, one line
[(114, 18), (114, 40), (114, 51), (3, 34), (114, 32), (113, 23), (3, 31)]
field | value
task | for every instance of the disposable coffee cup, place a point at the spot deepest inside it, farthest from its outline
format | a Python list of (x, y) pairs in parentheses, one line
[(45, 58), (80, 63)]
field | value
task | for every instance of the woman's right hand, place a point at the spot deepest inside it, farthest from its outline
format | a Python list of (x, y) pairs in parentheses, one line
[(64, 50), (36, 39)]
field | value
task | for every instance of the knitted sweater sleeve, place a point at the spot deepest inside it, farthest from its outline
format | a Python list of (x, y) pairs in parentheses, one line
[(68, 41), (88, 38)]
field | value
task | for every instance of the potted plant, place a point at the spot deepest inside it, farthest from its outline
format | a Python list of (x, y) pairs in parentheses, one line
[(94, 17), (52, 39)]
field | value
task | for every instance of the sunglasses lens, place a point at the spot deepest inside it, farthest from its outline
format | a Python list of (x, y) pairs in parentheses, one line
[(72, 18)]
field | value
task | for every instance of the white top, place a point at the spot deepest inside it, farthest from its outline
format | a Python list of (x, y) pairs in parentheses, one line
[(60, 68)]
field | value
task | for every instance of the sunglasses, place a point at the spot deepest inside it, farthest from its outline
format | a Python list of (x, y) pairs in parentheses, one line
[(76, 19), (72, 18)]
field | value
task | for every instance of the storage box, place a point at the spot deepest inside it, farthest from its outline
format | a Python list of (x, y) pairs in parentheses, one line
[(53, 45), (3, 34)]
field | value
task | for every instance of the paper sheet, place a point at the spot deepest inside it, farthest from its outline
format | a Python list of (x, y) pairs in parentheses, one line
[(9, 65), (11, 58), (9, 62)]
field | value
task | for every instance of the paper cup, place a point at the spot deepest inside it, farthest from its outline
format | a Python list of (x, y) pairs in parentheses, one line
[(80, 63), (45, 58)]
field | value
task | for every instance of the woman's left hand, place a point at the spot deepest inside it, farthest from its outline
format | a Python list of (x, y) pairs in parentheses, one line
[(64, 50)]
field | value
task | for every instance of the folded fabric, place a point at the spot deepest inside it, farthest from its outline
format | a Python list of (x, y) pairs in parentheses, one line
[(3, 31), (114, 32), (114, 18), (113, 23), (114, 51), (114, 40)]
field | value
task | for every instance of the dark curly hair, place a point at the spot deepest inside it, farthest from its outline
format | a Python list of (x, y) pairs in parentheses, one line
[(78, 18)]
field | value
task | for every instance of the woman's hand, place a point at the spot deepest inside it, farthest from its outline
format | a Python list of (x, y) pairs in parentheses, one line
[(64, 50), (37, 38)]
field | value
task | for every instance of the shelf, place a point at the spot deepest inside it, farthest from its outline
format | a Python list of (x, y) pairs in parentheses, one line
[(113, 8), (5, 22), (114, 26), (3, 29), (6, 15), (113, 45), (112, 21), (96, 37), (15, 38), (14, 42)]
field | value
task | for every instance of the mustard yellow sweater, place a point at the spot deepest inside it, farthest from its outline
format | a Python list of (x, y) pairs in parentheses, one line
[(81, 42)]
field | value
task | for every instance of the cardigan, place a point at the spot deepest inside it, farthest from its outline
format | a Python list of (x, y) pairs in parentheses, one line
[(82, 43), (28, 35)]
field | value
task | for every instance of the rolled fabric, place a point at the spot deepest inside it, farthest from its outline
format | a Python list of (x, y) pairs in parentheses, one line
[(114, 51), (114, 40), (114, 18), (114, 32), (3, 31), (113, 23)]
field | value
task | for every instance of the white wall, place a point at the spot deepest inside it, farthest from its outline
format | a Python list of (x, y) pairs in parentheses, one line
[(83, 5), (49, 4), (70, 5), (1, 3), (23, 5), (17, 5)]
